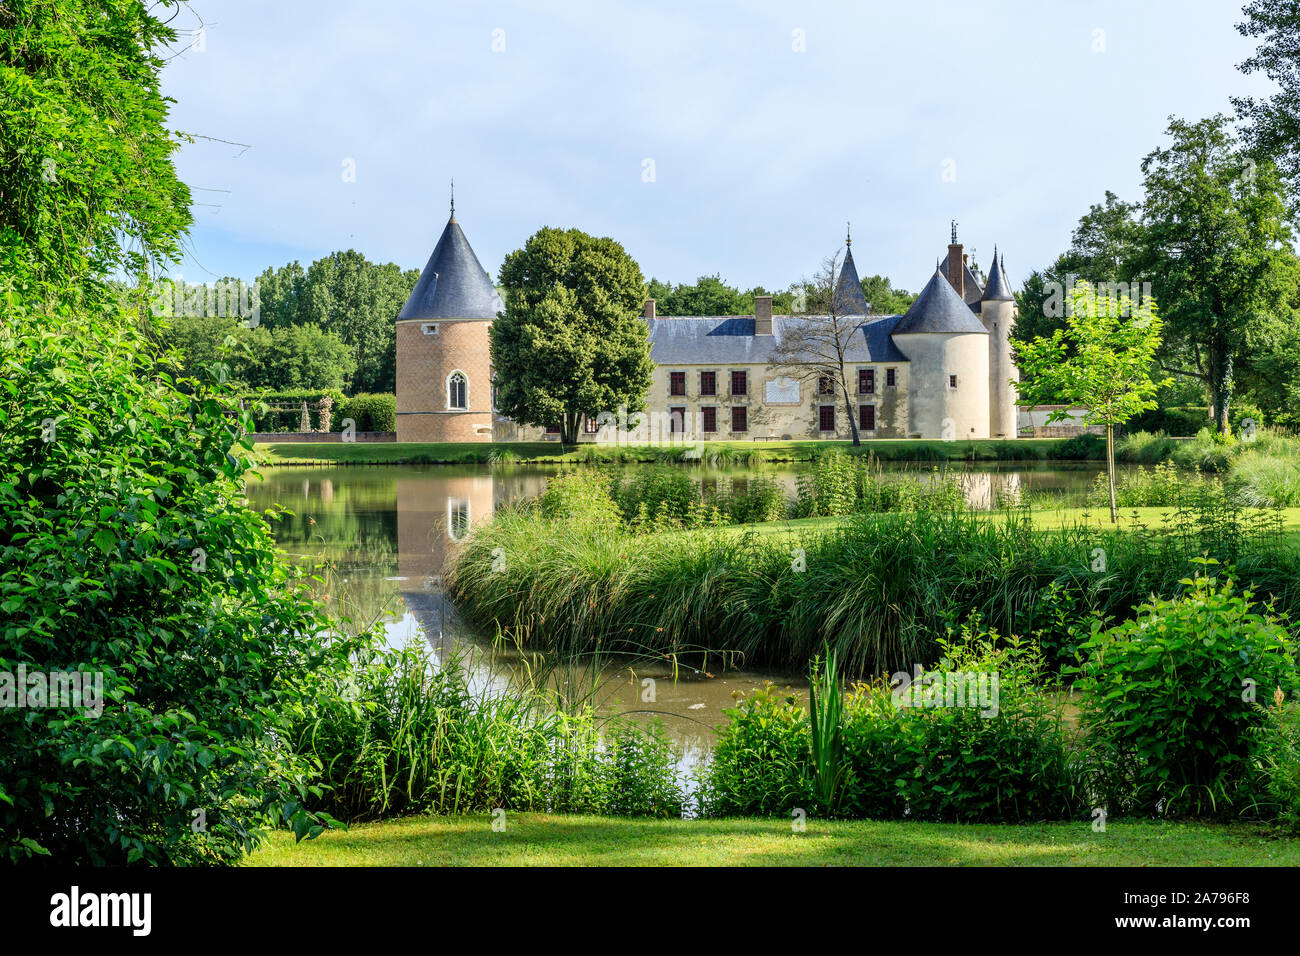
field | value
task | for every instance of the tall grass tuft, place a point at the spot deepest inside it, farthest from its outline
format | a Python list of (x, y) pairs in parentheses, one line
[(401, 736), (877, 589)]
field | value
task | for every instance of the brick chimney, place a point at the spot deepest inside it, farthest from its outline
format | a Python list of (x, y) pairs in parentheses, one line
[(957, 268), (762, 315), (649, 308)]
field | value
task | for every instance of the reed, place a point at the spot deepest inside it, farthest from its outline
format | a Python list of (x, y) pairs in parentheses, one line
[(876, 589)]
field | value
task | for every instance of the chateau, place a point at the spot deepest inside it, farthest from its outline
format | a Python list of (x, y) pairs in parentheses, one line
[(941, 370)]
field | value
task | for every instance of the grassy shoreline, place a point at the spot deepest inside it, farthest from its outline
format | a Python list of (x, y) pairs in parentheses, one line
[(714, 452), (880, 588), (538, 839)]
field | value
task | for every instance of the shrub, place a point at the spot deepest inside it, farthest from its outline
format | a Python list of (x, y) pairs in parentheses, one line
[(749, 500), (1178, 420), (126, 551), (371, 412), (579, 498), (661, 496), (898, 752), (1168, 697), (758, 765)]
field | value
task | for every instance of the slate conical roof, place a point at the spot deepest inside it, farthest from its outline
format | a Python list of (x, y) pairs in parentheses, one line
[(999, 289), (849, 299), (453, 285), (939, 309)]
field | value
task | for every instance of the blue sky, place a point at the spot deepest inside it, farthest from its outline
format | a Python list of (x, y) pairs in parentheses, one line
[(768, 125)]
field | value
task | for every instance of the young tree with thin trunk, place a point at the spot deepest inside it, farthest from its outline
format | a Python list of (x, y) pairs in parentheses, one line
[(814, 347), (1101, 361)]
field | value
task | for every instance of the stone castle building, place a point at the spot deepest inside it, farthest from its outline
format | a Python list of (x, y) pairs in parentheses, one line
[(941, 370)]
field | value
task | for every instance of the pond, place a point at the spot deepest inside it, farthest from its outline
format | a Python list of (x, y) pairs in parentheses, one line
[(386, 530)]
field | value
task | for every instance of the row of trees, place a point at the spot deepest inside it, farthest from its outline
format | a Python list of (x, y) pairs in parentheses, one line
[(331, 325), (709, 295), (1211, 241), (1213, 236)]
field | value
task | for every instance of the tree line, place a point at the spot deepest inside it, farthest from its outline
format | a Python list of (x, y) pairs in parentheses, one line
[(331, 325), (1211, 240)]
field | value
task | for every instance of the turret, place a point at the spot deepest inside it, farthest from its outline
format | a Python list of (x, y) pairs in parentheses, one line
[(444, 377), (998, 313), (948, 352), (848, 298)]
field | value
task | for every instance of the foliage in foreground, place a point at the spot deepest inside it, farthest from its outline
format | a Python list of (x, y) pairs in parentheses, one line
[(1169, 698), (400, 735), (906, 751), (127, 554)]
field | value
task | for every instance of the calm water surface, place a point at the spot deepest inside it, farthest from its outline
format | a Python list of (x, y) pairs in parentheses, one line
[(385, 532)]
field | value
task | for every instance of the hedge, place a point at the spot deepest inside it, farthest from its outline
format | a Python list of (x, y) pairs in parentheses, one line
[(371, 412)]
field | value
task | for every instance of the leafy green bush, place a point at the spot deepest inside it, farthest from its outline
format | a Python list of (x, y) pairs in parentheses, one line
[(663, 496), (1162, 485), (1169, 696), (749, 500), (579, 498), (1178, 420), (371, 412), (126, 551), (759, 764), (916, 750), (840, 484)]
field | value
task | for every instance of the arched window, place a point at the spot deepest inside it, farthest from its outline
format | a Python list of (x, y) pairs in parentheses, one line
[(457, 390)]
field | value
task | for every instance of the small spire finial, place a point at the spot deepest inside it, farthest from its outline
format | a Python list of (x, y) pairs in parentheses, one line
[(453, 197), (848, 233), (954, 232)]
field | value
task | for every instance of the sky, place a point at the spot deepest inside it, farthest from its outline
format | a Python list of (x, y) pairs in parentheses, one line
[(708, 137)]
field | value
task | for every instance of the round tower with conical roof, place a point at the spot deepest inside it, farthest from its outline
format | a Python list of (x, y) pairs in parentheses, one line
[(998, 313), (444, 363), (948, 352)]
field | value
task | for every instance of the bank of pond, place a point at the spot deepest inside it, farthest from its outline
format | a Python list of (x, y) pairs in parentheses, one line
[(962, 664)]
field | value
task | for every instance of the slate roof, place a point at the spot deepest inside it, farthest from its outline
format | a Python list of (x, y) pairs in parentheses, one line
[(730, 340), (453, 284), (939, 309), (849, 299), (999, 288)]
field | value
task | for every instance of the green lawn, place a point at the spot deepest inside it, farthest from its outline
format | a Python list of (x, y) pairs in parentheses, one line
[(1025, 449), (536, 839)]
